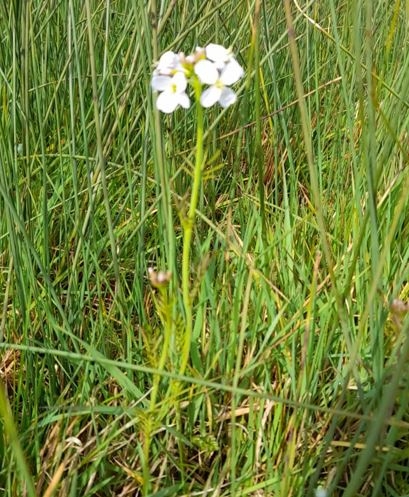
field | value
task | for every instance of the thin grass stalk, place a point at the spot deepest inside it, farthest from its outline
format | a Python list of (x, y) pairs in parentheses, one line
[(255, 46), (382, 414), (234, 446), (10, 428), (6, 298), (76, 78), (101, 162), (313, 173), (166, 211), (370, 160)]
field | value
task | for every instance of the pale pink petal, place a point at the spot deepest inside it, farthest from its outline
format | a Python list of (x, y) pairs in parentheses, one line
[(180, 82), (206, 72), (184, 100), (160, 83), (168, 61), (231, 73), (167, 102), (228, 97), (217, 53), (210, 96)]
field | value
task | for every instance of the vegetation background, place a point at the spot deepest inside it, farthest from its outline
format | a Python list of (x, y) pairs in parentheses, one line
[(298, 381)]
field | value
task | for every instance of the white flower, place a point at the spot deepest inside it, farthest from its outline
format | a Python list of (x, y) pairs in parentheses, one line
[(214, 66), (218, 54), (209, 73), (168, 64), (172, 90)]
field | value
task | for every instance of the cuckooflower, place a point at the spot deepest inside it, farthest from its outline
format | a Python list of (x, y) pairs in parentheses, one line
[(218, 54), (168, 64), (213, 65), (172, 90), (219, 75)]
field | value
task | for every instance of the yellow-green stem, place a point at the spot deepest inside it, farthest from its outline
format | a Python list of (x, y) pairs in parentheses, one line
[(188, 225)]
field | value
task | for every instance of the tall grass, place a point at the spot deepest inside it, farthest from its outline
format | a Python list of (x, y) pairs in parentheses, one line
[(297, 376)]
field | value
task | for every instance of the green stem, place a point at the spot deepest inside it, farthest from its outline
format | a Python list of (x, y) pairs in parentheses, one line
[(164, 306), (188, 225)]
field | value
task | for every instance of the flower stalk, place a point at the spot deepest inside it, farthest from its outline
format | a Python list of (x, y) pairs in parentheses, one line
[(216, 67), (188, 226)]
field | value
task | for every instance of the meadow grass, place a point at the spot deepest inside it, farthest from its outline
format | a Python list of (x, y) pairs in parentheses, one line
[(297, 375)]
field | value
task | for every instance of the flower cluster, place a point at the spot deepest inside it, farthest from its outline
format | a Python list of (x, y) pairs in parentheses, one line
[(213, 65)]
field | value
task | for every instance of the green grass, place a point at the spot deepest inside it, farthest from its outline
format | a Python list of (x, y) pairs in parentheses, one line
[(298, 370)]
